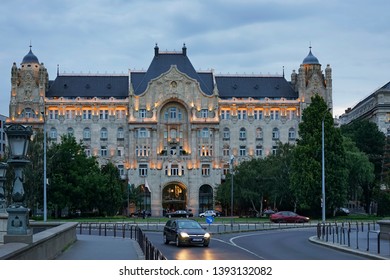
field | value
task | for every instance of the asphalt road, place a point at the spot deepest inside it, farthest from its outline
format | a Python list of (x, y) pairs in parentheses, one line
[(292, 244)]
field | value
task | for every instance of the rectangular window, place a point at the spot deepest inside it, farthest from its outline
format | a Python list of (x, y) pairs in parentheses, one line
[(142, 113), (174, 170), (53, 114), (103, 151), (204, 113), (258, 114), (70, 114), (87, 114), (87, 152), (120, 114), (143, 170), (226, 151), (205, 170), (242, 151), (274, 150), (241, 114), (103, 114), (225, 114), (274, 114), (121, 170), (259, 151)]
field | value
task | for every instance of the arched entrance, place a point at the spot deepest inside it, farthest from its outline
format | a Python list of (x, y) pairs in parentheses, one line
[(174, 197), (206, 198)]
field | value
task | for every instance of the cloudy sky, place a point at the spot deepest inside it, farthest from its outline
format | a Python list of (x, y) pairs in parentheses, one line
[(229, 36)]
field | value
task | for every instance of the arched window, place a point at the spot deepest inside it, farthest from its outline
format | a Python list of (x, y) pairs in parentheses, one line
[(259, 133), (291, 134), (87, 133), (275, 134), (226, 133), (120, 133), (103, 134), (53, 133), (242, 133)]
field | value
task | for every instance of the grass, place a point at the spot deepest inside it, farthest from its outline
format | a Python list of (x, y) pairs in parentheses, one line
[(223, 220)]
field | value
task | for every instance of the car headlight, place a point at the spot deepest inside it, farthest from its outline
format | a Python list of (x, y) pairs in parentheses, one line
[(207, 235), (184, 235)]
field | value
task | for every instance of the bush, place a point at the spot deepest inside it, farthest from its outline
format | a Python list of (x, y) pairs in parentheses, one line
[(384, 204)]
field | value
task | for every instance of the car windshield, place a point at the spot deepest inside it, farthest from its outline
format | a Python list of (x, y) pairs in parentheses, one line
[(188, 224)]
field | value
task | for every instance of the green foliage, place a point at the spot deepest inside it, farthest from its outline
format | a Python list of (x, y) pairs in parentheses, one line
[(306, 175), (77, 183), (372, 142), (259, 183), (383, 198)]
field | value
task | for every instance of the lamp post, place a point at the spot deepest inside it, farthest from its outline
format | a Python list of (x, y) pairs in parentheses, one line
[(231, 189), (44, 169), (3, 173), (323, 167), (18, 229)]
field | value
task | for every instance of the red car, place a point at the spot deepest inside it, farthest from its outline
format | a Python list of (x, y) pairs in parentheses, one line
[(288, 217)]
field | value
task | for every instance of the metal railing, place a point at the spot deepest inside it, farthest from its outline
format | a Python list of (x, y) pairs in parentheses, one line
[(124, 230), (364, 236)]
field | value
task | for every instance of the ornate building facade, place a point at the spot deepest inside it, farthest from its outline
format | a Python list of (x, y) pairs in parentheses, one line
[(171, 130), (375, 108)]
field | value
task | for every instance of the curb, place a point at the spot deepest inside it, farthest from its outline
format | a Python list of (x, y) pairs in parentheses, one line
[(314, 239)]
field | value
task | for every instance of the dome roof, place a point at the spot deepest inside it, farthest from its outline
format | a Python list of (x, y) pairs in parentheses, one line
[(310, 59), (30, 58)]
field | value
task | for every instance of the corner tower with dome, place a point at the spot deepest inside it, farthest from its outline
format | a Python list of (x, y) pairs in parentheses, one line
[(170, 130), (29, 84)]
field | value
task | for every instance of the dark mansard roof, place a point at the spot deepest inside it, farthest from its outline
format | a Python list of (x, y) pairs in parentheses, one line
[(106, 86)]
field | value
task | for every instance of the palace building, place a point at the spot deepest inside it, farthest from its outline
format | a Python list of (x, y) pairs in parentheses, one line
[(170, 130)]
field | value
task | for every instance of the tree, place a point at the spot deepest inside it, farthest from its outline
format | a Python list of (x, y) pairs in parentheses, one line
[(33, 185), (361, 170), (371, 141), (306, 179), (73, 177), (111, 192)]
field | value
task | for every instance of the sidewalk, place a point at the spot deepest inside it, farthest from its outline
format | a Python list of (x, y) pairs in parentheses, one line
[(92, 247), (359, 245)]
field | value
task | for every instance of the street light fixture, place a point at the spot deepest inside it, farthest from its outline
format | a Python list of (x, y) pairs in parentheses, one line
[(44, 169), (231, 188), (3, 173), (18, 229), (323, 166)]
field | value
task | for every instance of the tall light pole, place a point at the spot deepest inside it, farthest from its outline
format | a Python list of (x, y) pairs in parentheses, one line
[(323, 167), (231, 188), (44, 169)]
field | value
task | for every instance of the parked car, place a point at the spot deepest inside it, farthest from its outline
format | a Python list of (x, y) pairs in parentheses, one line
[(288, 217), (209, 213), (342, 211), (179, 213), (185, 232), (268, 212)]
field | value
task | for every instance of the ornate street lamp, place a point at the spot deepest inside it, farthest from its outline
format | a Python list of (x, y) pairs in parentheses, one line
[(3, 173), (18, 219)]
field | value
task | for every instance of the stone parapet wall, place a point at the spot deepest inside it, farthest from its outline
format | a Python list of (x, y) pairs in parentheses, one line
[(46, 245)]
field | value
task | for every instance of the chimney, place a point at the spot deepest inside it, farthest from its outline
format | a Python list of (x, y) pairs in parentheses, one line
[(156, 50), (184, 49)]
